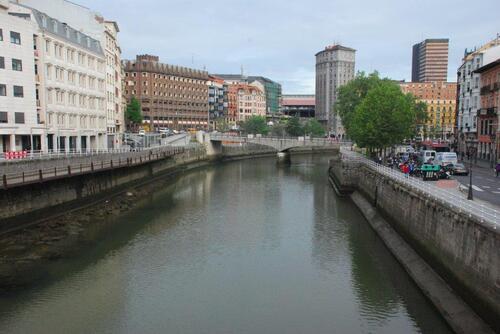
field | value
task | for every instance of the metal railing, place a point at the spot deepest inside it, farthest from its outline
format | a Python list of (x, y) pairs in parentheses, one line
[(485, 213), (90, 165)]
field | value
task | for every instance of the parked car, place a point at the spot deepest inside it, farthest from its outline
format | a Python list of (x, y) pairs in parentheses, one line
[(459, 169)]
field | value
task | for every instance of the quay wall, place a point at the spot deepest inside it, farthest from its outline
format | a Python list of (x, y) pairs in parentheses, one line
[(462, 249)]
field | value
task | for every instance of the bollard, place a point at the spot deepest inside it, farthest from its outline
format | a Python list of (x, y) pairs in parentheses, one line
[(119, 161), (23, 177), (92, 166), (40, 173), (102, 164), (111, 163), (55, 171), (69, 170), (80, 168), (4, 181)]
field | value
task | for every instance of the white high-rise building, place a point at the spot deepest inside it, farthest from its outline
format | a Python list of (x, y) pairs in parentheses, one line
[(334, 68), (20, 128)]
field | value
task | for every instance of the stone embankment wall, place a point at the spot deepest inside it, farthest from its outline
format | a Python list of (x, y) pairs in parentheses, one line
[(461, 249), (29, 202)]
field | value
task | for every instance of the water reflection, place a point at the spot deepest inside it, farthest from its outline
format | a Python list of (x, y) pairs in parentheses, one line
[(244, 247)]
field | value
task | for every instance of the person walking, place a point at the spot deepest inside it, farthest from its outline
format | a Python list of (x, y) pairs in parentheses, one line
[(497, 168)]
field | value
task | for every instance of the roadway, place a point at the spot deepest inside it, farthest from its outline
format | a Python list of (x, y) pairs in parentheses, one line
[(485, 184)]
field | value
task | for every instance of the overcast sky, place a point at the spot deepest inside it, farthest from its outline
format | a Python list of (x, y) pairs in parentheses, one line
[(278, 38)]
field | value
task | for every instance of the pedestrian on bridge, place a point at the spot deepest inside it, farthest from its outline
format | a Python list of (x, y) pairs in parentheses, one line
[(497, 168)]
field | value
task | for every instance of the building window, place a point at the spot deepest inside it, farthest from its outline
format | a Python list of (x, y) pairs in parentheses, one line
[(18, 91), (3, 90), (1, 35), (17, 64), (3, 117), (2, 62), (15, 37), (19, 117)]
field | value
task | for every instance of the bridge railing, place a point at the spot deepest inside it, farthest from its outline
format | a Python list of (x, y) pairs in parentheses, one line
[(485, 213), (89, 164), (302, 140)]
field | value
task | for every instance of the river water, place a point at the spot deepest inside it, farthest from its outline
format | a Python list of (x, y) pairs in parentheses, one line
[(240, 247)]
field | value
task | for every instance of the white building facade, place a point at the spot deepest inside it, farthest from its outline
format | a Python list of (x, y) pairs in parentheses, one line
[(70, 86), (20, 129), (334, 68), (93, 25), (469, 91), (114, 109)]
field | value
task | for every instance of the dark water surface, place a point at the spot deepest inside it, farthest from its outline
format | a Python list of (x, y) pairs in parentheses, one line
[(242, 247)]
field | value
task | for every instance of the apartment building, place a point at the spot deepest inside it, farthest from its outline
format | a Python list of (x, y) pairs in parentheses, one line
[(114, 110), (488, 118), (20, 128), (217, 100), (92, 24), (171, 96), (440, 98), (248, 100), (469, 91)]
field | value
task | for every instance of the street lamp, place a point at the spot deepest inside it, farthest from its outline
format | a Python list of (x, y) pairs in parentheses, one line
[(492, 149), (471, 150)]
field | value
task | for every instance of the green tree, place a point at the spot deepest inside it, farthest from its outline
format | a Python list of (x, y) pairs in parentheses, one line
[(294, 128), (386, 116), (314, 128), (222, 125), (255, 125), (352, 94), (133, 114)]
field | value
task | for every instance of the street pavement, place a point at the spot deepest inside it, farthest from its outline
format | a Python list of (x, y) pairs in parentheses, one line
[(485, 185)]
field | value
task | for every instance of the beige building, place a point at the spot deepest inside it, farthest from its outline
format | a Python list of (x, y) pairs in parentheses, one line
[(334, 68)]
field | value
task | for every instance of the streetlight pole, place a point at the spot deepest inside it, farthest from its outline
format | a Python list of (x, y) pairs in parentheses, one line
[(471, 149)]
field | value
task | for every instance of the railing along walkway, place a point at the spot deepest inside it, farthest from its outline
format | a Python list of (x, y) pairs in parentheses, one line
[(485, 213), (91, 165)]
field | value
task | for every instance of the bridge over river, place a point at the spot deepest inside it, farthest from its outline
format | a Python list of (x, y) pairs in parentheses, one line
[(281, 145)]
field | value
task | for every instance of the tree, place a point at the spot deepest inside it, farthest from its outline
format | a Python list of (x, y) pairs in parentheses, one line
[(222, 125), (255, 125), (352, 94), (386, 116), (133, 114), (294, 128), (314, 128)]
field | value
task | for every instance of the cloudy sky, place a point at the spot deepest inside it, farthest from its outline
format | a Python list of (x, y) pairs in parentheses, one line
[(278, 38)]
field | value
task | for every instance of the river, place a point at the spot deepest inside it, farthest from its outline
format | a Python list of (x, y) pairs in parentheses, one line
[(239, 247)]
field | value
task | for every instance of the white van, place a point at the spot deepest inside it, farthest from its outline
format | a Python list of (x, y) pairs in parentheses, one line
[(446, 158), (425, 156)]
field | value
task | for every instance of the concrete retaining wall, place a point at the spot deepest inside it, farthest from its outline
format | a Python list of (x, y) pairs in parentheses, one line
[(464, 251)]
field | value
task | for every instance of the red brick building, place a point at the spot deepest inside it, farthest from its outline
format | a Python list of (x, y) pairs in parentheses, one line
[(171, 96), (488, 116)]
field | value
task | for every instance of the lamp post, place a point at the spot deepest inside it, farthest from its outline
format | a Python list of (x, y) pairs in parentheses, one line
[(471, 150), (492, 149)]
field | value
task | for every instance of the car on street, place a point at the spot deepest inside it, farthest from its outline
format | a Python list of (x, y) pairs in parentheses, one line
[(457, 169)]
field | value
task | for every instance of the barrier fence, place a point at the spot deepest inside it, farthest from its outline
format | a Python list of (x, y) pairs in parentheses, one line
[(92, 165), (485, 213)]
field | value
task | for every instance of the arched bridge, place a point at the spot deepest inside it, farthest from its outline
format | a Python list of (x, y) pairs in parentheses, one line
[(281, 145)]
